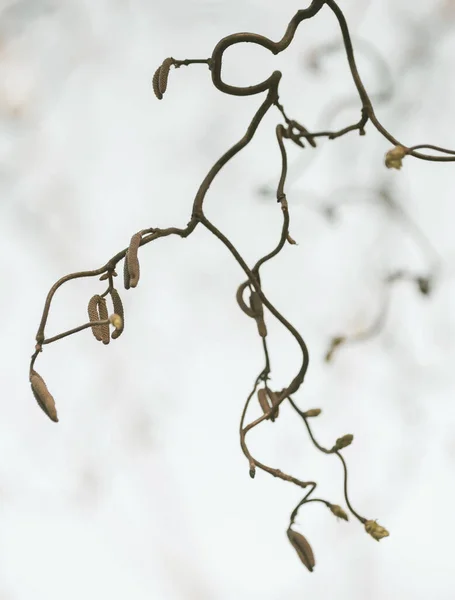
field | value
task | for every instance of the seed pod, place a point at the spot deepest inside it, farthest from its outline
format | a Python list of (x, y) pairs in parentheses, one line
[(104, 316), (43, 396), (126, 273), (164, 74), (156, 85), (303, 548), (118, 310), (338, 511), (132, 259), (93, 315), (274, 401)]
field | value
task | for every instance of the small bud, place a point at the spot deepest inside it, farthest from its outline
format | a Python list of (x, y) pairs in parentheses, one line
[(313, 412), (424, 285), (336, 341), (338, 511), (376, 531), (291, 240), (252, 472), (303, 548), (104, 316), (343, 441), (394, 157), (106, 275)]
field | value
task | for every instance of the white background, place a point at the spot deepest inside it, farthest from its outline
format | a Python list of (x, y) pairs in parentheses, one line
[(141, 490)]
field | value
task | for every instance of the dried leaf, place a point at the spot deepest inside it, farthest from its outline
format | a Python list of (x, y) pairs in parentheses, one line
[(43, 396), (303, 548), (132, 259)]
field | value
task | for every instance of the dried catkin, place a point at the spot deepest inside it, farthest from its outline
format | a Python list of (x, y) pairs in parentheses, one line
[(93, 315), (126, 273), (303, 548), (132, 259), (104, 316), (156, 85), (164, 74), (118, 310), (43, 396)]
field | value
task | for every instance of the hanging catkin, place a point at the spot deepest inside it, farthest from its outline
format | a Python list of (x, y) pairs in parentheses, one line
[(43, 396), (132, 259)]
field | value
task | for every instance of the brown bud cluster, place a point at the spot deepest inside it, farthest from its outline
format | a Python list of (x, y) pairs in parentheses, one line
[(302, 548), (376, 531), (43, 396), (394, 157)]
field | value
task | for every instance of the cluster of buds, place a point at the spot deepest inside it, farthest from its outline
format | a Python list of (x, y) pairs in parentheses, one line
[(394, 157), (376, 531)]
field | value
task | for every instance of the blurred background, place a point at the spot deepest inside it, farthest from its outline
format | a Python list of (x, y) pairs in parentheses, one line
[(141, 491)]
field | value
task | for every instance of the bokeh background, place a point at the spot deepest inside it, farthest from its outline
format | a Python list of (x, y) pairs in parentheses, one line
[(141, 491)]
